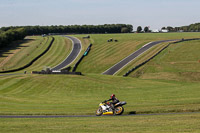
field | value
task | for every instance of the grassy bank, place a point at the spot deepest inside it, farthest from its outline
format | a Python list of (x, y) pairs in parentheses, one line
[(20, 53), (59, 50), (179, 62), (105, 54), (75, 95)]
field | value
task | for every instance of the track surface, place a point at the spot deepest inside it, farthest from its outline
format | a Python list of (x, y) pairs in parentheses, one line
[(64, 116), (114, 69), (73, 55)]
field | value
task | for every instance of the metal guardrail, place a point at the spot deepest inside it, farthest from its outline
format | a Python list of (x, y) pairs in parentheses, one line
[(79, 61)]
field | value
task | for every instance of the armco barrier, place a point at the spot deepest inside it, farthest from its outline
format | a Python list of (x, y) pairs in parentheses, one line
[(85, 54), (138, 66), (30, 63)]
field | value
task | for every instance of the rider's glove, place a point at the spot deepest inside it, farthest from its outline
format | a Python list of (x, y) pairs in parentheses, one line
[(105, 101)]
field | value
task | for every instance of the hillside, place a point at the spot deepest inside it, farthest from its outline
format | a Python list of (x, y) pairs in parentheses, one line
[(179, 61), (61, 94), (167, 85), (105, 54), (22, 52), (80, 95), (19, 53)]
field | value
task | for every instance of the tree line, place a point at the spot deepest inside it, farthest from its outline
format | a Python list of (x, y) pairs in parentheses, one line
[(191, 28), (77, 29), (10, 35), (169, 28)]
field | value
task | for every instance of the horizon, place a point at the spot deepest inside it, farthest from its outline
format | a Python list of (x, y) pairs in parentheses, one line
[(154, 14)]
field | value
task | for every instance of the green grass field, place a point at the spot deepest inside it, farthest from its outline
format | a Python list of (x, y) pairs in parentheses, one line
[(129, 124), (105, 54), (21, 52), (167, 84), (80, 95)]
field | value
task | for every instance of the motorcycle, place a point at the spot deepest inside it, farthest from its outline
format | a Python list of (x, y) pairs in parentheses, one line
[(105, 109)]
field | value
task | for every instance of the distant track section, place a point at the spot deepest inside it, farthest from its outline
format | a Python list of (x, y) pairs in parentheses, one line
[(114, 69), (73, 55)]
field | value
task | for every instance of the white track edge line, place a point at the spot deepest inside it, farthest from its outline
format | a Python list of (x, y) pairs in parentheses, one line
[(125, 58), (70, 52), (132, 60), (68, 55)]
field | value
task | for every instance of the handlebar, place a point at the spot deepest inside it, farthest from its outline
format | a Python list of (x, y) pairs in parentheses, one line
[(105, 101)]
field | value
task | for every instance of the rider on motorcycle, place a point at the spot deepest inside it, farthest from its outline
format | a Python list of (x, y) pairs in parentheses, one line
[(114, 101)]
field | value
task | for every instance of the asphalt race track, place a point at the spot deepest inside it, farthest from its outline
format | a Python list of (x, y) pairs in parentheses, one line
[(73, 55), (67, 116), (114, 69)]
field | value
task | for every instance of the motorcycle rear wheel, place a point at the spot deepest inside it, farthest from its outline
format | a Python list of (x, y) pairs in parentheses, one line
[(119, 110), (99, 111)]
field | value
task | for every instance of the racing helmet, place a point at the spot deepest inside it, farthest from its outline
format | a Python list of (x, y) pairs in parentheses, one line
[(112, 96)]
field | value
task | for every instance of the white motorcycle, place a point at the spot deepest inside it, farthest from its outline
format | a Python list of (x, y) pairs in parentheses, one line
[(105, 109)]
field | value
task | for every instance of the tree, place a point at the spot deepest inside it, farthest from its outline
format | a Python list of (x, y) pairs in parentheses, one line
[(11, 35), (146, 29), (169, 28), (176, 29), (139, 29), (163, 28), (124, 30)]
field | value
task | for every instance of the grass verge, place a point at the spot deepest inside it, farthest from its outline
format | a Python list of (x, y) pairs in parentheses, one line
[(129, 124)]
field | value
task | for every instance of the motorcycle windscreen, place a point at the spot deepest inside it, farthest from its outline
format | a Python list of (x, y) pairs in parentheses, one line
[(123, 103)]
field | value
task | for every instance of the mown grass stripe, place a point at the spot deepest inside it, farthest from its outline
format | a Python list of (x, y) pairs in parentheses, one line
[(60, 49)]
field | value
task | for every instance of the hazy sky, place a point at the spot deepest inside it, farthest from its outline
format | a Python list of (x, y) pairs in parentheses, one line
[(153, 13)]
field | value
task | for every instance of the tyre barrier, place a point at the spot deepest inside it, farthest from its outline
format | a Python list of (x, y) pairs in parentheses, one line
[(86, 37), (30, 63), (85, 54), (138, 66), (56, 72)]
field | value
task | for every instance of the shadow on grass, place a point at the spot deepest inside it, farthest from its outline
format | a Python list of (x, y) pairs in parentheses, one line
[(132, 112), (13, 46)]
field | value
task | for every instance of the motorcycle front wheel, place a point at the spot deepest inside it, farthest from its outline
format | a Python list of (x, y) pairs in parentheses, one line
[(119, 110), (99, 111)]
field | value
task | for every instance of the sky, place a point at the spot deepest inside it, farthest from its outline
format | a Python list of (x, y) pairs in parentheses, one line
[(153, 13)]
